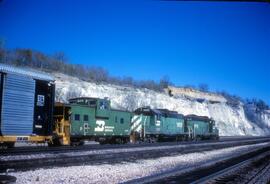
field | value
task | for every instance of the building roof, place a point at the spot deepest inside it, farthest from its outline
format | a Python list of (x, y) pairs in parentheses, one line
[(26, 72)]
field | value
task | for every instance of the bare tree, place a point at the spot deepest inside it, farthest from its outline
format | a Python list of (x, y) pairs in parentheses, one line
[(164, 82), (72, 92), (203, 87), (2, 50), (58, 62), (130, 102), (60, 56), (2, 43)]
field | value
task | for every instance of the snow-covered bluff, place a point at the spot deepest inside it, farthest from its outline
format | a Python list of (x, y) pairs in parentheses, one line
[(239, 120)]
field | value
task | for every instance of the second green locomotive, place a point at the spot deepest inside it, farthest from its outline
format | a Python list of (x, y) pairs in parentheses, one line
[(152, 125)]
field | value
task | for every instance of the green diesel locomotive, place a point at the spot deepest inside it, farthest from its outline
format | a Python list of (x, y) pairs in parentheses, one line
[(152, 125), (200, 127)]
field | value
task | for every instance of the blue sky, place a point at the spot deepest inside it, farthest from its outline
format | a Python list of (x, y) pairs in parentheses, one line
[(225, 45)]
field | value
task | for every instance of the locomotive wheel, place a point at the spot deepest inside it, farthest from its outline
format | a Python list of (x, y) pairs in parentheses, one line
[(122, 141), (77, 143), (55, 142), (102, 142), (7, 179), (151, 140), (10, 144), (81, 143), (7, 145)]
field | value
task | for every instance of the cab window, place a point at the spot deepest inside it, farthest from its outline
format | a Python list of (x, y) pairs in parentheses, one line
[(92, 103), (77, 117), (103, 105), (85, 118)]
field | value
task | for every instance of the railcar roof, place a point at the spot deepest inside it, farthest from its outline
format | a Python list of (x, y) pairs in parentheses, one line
[(162, 112), (166, 111), (87, 98), (119, 110), (26, 72), (195, 117)]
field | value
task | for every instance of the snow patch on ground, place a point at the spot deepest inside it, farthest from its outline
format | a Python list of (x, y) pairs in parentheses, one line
[(122, 172)]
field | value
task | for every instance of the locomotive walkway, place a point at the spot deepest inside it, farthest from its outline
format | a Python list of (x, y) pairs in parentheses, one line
[(103, 154)]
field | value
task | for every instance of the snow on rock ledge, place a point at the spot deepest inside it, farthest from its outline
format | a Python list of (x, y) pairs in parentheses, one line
[(195, 94), (230, 120)]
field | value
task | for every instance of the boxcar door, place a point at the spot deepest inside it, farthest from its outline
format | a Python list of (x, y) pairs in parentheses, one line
[(44, 101)]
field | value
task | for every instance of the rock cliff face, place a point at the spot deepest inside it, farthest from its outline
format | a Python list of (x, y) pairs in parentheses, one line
[(240, 119), (195, 94)]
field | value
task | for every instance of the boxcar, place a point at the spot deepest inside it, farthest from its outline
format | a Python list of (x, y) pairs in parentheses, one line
[(26, 105), (151, 125), (93, 119)]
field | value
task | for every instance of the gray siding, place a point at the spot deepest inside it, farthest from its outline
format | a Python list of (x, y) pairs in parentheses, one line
[(17, 105)]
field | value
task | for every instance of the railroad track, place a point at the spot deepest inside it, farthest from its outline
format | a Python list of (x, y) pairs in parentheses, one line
[(252, 171), (251, 167), (116, 155), (46, 149), (63, 149)]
